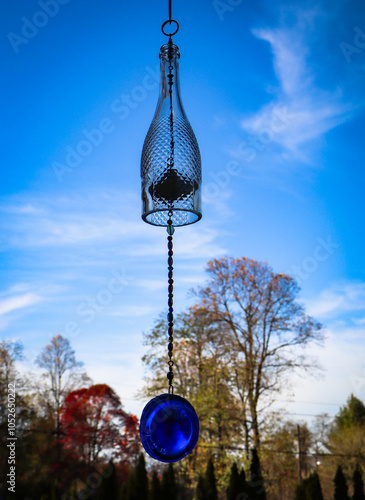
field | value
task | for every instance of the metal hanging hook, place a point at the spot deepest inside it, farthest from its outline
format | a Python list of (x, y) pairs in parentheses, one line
[(170, 21)]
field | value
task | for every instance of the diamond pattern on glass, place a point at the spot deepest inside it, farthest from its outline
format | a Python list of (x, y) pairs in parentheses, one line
[(166, 187)]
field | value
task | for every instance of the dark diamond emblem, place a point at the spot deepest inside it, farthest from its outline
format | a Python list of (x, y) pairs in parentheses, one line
[(171, 187)]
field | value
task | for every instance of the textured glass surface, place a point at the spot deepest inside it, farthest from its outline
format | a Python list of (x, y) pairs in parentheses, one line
[(169, 428), (170, 163)]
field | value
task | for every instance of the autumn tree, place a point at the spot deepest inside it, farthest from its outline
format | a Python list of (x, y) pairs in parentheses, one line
[(268, 324), (234, 348), (279, 456), (95, 427)]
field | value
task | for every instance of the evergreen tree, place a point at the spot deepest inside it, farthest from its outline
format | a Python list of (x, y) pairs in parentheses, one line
[(131, 486), (155, 492), (233, 489), (210, 482), (352, 413), (341, 489), (109, 487), (347, 431), (141, 478), (242, 481), (200, 489), (237, 484), (168, 486), (300, 492), (123, 492), (51, 492), (313, 487), (257, 485), (358, 485), (71, 495), (53, 495)]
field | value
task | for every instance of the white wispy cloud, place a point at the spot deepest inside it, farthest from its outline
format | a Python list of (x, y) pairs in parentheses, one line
[(18, 302), (26, 208), (69, 221), (300, 112), (192, 242), (196, 242), (339, 299), (55, 229)]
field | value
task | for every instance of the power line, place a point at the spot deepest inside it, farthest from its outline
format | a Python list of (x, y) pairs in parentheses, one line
[(308, 402), (295, 414), (283, 452)]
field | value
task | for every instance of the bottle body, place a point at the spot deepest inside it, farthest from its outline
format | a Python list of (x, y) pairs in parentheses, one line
[(170, 163)]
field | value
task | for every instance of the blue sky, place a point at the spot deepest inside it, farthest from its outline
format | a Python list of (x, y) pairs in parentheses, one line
[(275, 94)]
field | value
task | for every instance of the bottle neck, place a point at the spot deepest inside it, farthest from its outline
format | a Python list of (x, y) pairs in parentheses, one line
[(170, 80)]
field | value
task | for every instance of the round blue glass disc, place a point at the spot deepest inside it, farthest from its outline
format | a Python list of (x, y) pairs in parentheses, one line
[(169, 428)]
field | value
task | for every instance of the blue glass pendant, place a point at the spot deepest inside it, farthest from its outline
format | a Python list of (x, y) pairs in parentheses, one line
[(169, 428)]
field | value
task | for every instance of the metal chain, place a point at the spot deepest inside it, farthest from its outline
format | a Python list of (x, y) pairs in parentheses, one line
[(170, 314)]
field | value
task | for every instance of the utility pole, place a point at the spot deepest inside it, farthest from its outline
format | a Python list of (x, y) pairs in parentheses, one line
[(299, 455)]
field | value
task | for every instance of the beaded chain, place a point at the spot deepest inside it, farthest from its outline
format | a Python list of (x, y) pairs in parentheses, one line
[(172, 142), (170, 315), (170, 232)]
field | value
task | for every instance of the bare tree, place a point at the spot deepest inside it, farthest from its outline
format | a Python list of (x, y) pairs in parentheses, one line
[(9, 353), (268, 325), (62, 374), (13, 403)]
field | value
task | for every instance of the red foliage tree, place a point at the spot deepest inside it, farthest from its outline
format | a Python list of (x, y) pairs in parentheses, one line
[(95, 428)]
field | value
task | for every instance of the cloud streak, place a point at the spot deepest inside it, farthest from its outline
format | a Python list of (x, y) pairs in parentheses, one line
[(339, 299), (18, 302), (311, 111)]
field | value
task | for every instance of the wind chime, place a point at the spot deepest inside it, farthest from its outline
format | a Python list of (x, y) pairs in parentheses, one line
[(171, 197)]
